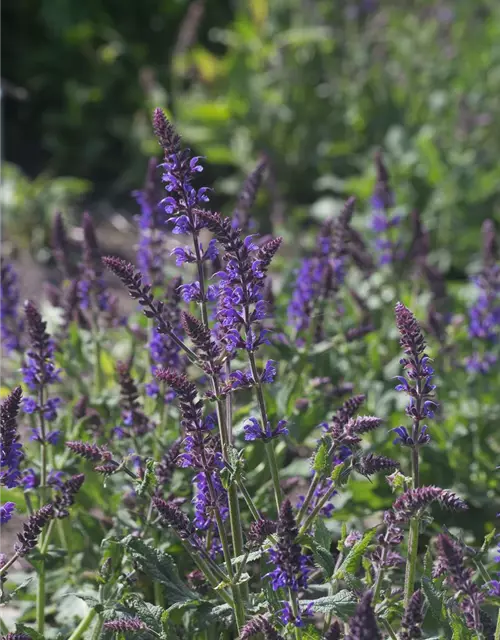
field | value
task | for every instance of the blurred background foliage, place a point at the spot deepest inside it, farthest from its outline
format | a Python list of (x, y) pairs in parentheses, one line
[(313, 84)]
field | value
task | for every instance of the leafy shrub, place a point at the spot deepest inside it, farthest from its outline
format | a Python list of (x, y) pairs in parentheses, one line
[(180, 483)]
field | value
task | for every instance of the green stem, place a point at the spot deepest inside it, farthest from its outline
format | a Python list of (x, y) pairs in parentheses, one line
[(248, 499), (482, 570), (308, 498), (98, 627), (40, 594), (98, 381), (378, 581), (497, 630), (295, 610), (269, 448), (46, 538), (84, 625), (321, 503), (411, 562), (207, 571), (389, 629), (8, 564), (40, 599)]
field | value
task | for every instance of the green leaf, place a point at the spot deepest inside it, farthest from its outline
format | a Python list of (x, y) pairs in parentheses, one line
[(434, 599), (253, 555), (160, 567), (488, 540), (208, 615), (342, 604), (149, 613), (324, 559), (353, 558), (459, 628), (148, 482), (21, 628), (92, 601), (321, 461), (322, 535)]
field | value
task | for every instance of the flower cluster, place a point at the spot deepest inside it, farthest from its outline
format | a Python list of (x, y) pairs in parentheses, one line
[(134, 420), (179, 170), (240, 302), (12, 325), (292, 566), (28, 538), (484, 314), (39, 372), (320, 276), (11, 453), (247, 195), (414, 501), (418, 381), (382, 221), (151, 249), (254, 431), (201, 450), (452, 560), (94, 295), (363, 624)]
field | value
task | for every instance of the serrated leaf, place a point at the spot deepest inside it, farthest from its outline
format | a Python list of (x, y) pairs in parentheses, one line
[(322, 535), (253, 555), (34, 635), (342, 604), (433, 598), (92, 601), (353, 558), (149, 613), (207, 616), (459, 628), (324, 559), (159, 567), (428, 563)]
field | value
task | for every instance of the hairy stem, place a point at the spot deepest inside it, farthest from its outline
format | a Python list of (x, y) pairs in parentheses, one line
[(84, 625), (497, 630)]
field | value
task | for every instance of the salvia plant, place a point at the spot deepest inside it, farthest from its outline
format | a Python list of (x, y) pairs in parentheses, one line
[(195, 468)]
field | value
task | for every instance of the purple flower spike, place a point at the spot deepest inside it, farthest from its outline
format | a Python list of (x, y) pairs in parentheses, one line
[(254, 431), (6, 512)]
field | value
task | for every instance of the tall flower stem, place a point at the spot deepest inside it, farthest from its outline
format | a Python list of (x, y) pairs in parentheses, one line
[(269, 448), (40, 594), (234, 509), (411, 562)]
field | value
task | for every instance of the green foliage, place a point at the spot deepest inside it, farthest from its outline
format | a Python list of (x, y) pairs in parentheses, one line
[(28, 205)]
